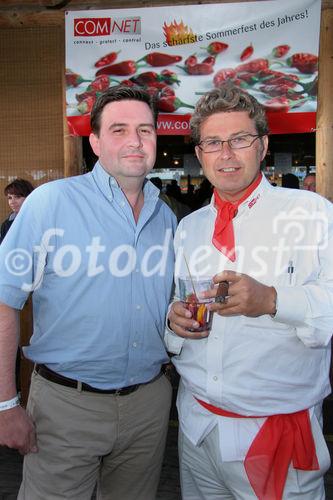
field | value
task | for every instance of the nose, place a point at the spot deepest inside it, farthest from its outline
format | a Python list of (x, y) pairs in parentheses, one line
[(135, 139), (226, 151)]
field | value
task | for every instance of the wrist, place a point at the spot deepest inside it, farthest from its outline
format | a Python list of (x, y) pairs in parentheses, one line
[(10, 403), (273, 306)]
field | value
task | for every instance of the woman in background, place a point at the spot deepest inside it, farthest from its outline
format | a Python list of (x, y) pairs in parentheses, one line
[(16, 192)]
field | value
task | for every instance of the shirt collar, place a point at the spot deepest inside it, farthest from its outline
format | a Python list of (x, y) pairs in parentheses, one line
[(109, 185)]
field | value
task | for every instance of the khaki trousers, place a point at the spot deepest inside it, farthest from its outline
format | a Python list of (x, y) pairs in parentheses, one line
[(86, 438)]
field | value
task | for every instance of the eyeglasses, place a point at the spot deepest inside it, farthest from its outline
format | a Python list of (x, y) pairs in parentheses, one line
[(238, 142)]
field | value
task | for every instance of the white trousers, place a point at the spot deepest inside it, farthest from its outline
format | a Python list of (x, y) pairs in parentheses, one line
[(204, 477)]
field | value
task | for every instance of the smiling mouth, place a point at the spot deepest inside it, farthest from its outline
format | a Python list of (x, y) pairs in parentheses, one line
[(228, 170)]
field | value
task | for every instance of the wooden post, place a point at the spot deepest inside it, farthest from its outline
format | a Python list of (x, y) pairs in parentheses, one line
[(324, 135)]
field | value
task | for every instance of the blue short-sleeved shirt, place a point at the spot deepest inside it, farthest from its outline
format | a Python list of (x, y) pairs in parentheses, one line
[(101, 283)]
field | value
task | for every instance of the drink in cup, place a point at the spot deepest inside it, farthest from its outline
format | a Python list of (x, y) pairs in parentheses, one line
[(189, 293)]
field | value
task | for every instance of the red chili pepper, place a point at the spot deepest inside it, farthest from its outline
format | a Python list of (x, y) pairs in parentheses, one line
[(73, 79), (167, 91), (127, 83), (215, 48), (253, 66), (209, 60), (269, 74), (160, 59), (191, 60), (248, 78), (199, 69), (86, 105), (247, 52), (123, 68), (107, 59), (280, 50), (81, 97), (100, 83), (153, 91), (169, 77), (280, 104), (305, 63), (222, 75), (275, 90), (170, 104)]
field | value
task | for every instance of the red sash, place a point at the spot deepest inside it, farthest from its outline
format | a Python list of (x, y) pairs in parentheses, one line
[(281, 440)]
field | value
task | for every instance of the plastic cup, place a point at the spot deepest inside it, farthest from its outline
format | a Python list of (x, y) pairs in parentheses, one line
[(189, 294)]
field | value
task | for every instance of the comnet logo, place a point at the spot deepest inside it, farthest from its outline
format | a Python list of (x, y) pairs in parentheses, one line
[(105, 26)]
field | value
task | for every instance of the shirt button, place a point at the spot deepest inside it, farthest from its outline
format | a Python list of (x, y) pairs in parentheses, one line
[(216, 337), (137, 270), (134, 344), (138, 307), (215, 378), (122, 203)]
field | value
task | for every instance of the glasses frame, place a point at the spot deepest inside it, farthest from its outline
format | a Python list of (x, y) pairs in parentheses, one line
[(255, 136)]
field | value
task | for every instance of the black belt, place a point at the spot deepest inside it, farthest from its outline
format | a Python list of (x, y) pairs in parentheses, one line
[(52, 376)]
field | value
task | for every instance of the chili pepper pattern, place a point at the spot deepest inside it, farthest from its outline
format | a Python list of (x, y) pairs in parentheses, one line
[(280, 90), (107, 59), (160, 59), (247, 53)]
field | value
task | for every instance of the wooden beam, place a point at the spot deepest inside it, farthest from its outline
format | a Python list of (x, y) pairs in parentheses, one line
[(324, 135), (52, 12)]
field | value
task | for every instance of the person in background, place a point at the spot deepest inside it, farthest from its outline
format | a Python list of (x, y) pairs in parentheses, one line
[(290, 181), (16, 192), (101, 265), (251, 390), (179, 209), (309, 182)]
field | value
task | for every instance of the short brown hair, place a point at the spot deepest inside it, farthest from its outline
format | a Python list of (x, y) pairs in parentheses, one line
[(226, 98), (19, 187), (120, 93)]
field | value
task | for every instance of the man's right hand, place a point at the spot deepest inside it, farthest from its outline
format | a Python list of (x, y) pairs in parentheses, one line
[(17, 430), (180, 320)]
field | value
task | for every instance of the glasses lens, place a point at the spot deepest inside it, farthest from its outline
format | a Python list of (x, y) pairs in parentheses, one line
[(243, 141), (211, 145)]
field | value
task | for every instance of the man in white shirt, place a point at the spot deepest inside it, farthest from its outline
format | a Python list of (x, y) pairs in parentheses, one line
[(251, 391)]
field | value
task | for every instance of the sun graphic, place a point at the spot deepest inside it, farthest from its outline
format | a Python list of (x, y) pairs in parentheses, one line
[(178, 33)]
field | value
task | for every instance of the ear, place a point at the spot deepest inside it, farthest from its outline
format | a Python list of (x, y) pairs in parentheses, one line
[(94, 143), (198, 153), (264, 147)]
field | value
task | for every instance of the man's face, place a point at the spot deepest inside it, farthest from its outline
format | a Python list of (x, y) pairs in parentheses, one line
[(126, 145), (309, 183), (231, 171)]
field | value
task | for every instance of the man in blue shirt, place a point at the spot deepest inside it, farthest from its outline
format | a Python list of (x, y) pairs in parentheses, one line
[(96, 251)]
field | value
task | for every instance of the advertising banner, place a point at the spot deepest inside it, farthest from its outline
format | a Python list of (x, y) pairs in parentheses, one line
[(269, 48)]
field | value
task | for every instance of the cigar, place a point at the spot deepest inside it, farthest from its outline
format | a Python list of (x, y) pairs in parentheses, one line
[(222, 292)]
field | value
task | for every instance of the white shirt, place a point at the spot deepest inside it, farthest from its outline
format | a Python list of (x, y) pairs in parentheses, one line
[(259, 366)]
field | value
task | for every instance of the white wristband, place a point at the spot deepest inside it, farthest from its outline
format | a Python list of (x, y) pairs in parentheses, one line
[(11, 403)]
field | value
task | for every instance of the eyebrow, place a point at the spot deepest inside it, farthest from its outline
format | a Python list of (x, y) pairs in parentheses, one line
[(115, 125), (240, 132)]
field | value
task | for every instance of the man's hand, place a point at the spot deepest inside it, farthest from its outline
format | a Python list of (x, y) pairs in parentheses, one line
[(17, 430), (246, 296), (180, 321)]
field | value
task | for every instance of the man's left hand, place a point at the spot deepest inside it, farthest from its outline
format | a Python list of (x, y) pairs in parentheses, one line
[(246, 296)]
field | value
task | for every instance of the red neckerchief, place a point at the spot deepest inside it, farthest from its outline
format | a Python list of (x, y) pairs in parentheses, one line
[(223, 236)]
